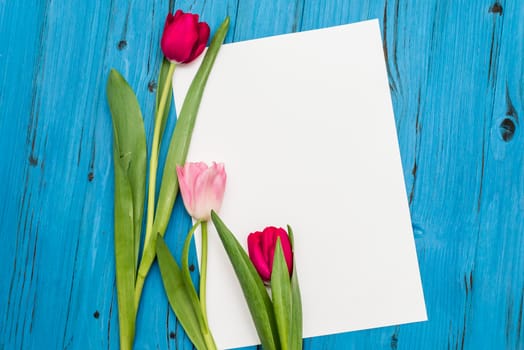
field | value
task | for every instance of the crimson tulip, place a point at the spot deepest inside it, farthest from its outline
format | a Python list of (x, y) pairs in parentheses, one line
[(184, 37), (261, 248)]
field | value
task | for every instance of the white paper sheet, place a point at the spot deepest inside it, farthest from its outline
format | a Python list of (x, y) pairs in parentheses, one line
[(305, 127)]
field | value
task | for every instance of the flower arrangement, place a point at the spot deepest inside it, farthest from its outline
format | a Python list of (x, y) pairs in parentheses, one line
[(277, 316)]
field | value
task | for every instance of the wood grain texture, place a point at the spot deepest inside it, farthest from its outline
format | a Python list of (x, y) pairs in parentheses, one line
[(456, 72)]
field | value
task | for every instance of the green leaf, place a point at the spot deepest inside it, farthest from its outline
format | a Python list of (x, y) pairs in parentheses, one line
[(178, 294), (281, 293), (291, 238), (295, 333), (124, 250), (253, 288), (179, 147), (129, 156), (162, 76), (130, 141)]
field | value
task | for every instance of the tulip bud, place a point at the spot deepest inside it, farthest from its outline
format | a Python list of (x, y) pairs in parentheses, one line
[(202, 188), (184, 38), (261, 248)]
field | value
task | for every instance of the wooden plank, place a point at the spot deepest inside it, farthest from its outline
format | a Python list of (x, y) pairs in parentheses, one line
[(19, 71), (496, 298)]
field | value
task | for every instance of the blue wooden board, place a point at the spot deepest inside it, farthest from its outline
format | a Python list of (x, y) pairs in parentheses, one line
[(456, 72)]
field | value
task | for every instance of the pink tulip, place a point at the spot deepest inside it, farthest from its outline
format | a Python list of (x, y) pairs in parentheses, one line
[(261, 247), (184, 38), (202, 188)]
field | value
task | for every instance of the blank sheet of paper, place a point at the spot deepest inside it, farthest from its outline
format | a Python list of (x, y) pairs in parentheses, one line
[(305, 127)]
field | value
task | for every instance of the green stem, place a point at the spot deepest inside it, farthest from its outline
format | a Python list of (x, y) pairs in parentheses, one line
[(153, 167), (203, 272), (185, 250), (187, 276), (198, 301), (210, 342), (208, 338), (139, 286)]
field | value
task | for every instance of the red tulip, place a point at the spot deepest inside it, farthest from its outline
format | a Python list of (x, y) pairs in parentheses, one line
[(261, 247), (184, 38)]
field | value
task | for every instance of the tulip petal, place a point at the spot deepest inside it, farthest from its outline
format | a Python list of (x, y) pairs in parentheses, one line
[(257, 256), (187, 196), (269, 246), (218, 185), (177, 15), (203, 32), (200, 45), (200, 191)]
